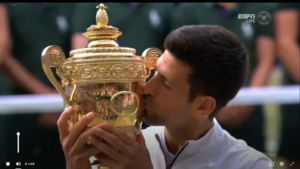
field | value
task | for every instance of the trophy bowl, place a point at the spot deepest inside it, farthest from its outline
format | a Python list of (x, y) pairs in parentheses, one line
[(103, 78)]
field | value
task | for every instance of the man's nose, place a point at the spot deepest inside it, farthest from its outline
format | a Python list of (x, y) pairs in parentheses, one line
[(150, 88)]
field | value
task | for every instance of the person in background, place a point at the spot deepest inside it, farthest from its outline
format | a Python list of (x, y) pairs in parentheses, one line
[(5, 45), (143, 25), (243, 122), (4, 81), (4, 39), (287, 37), (32, 27), (287, 34), (177, 4)]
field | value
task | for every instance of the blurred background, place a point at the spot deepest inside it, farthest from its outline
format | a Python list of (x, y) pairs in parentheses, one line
[(271, 37)]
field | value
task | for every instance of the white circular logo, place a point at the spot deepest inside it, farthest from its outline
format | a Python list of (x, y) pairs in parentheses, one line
[(264, 18)]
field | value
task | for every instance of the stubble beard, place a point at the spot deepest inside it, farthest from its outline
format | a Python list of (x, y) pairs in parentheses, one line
[(152, 119)]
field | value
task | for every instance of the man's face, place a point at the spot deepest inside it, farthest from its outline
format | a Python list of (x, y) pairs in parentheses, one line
[(167, 93)]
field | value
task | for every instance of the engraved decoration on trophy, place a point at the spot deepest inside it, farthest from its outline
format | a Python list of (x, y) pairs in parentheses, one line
[(102, 78)]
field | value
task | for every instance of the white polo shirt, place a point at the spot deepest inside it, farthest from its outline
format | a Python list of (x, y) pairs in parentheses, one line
[(216, 150)]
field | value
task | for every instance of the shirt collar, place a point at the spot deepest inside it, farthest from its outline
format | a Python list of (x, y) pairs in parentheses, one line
[(206, 144)]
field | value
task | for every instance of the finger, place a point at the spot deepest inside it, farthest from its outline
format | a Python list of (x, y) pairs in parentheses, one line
[(140, 139), (62, 123), (118, 133), (81, 141), (91, 151), (105, 148), (107, 161), (111, 139), (80, 126)]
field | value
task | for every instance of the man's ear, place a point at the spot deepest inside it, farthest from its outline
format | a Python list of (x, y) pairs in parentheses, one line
[(204, 105)]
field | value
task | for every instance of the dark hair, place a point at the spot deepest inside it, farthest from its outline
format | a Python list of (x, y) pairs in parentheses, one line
[(217, 58)]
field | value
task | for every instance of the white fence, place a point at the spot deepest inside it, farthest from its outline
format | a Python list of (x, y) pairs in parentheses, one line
[(54, 103)]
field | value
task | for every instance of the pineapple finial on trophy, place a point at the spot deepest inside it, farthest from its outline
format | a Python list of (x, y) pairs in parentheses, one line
[(101, 16), (101, 34)]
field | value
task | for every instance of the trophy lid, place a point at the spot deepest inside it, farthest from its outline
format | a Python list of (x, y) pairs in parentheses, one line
[(102, 40)]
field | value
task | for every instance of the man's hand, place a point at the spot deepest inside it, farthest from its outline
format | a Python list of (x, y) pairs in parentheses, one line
[(234, 116), (118, 150), (73, 142)]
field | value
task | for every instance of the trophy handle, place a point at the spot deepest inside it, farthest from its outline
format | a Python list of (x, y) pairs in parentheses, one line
[(53, 56), (151, 55)]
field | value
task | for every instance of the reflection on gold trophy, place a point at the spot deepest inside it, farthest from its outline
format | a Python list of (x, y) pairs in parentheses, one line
[(103, 78)]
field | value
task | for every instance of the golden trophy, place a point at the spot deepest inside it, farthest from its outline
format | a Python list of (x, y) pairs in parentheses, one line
[(102, 78)]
